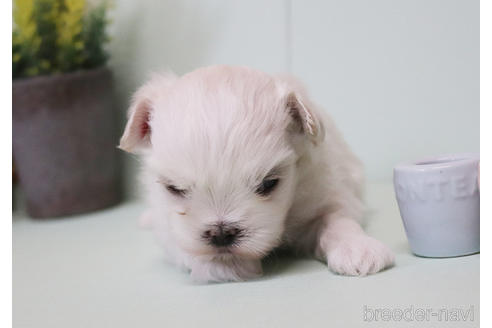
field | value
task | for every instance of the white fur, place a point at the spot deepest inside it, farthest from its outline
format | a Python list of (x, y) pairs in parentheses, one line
[(217, 132)]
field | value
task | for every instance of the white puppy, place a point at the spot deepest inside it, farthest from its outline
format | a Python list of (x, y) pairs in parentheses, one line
[(237, 163)]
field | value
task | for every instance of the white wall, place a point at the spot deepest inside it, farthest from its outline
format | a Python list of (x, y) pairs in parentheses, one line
[(401, 78)]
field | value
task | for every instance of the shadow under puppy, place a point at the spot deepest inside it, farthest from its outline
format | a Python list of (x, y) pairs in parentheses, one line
[(236, 163)]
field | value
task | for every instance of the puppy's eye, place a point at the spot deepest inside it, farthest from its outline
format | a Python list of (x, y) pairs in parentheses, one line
[(176, 191), (267, 186)]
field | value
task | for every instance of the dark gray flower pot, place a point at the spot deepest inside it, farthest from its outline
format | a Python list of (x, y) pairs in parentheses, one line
[(64, 142)]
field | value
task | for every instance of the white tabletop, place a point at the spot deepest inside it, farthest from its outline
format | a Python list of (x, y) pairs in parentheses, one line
[(101, 270)]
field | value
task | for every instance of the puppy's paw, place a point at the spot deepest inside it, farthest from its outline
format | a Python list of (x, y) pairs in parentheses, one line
[(225, 270), (359, 256)]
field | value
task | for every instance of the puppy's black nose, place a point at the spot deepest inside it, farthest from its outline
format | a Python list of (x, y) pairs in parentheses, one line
[(222, 235)]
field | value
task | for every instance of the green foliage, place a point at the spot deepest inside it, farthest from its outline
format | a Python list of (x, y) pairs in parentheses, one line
[(54, 36)]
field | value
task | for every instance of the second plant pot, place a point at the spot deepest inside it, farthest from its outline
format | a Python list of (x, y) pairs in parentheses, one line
[(64, 142)]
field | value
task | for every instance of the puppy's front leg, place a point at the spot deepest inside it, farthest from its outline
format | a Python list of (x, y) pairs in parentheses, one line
[(347, 249)]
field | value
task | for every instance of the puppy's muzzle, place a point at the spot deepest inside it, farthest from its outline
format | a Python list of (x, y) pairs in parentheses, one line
[(222, 234)]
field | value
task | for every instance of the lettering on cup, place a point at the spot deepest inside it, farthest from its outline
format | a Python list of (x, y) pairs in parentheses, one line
[(437, 188)]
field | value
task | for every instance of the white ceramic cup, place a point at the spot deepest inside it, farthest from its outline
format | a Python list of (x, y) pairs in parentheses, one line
[(439, 202)]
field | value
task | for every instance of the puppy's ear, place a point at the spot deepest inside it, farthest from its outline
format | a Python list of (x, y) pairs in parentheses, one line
[(304, 118), (138, 129)]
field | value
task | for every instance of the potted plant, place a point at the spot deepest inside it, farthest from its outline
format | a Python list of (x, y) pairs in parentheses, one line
[(63, 116)]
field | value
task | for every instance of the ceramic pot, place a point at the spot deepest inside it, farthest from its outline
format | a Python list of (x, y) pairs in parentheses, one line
[(439, 201), (64, 142)]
